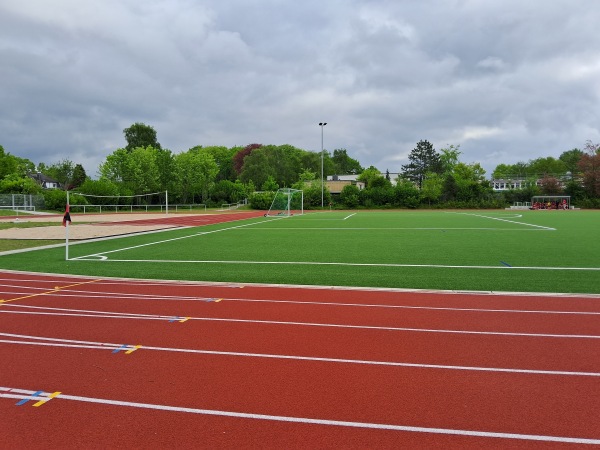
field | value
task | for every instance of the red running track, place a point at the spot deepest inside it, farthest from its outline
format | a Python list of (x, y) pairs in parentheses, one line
[(140, 364)]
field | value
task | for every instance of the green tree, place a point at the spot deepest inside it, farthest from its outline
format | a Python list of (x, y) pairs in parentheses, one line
[(79, 176), (102, 189), (571, 158), (140, 135), (371, 177), (136, 171), (306, 176), (116, 167), (502, 172), (270, 184), (343, 164), (470, 181), (450, 188), (350, 195), (165, 164), (422, 160), (13, 165), (64, 172), (196, 173), (449, 158), (406, 194), (432, 188), (144, 170), (239, 157), (547, 166), (15, 184), (257, 168), (223, 156)]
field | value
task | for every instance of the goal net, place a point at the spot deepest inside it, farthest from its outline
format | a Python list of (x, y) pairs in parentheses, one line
[(89, 203), (287, 202)]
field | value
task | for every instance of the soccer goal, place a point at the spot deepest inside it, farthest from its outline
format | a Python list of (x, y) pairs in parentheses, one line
[(287, 202)]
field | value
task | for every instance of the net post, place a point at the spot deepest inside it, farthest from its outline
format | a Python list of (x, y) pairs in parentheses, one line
[(67, 223)]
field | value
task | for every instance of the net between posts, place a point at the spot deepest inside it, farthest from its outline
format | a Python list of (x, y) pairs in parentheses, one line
[(287, 202), (89, 203)]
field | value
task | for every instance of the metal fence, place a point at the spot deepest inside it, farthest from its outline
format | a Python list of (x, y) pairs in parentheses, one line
[(22, 202)]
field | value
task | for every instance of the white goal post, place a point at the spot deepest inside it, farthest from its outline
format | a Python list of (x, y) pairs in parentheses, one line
[(286, 202)]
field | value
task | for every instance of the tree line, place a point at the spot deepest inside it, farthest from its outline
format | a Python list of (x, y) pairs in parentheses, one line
[(215, 175)]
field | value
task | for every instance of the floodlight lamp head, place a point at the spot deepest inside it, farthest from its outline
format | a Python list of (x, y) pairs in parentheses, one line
[(322, 124)]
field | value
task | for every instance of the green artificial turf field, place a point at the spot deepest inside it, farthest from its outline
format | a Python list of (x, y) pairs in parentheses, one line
[(534, 251)]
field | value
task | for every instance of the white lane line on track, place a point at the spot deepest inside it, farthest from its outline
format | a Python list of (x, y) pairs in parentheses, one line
[(15, 393), (51, 342), (120, 295), (109, 315)]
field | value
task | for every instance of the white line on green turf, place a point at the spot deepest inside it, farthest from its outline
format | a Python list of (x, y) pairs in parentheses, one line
[(102, 257), (509, 221), (320, 263)]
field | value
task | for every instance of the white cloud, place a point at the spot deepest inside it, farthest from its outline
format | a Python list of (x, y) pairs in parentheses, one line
[(508, 81)]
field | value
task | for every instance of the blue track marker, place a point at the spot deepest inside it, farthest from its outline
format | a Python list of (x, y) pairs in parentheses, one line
[(122, 347), (506, 264), (32, 397)]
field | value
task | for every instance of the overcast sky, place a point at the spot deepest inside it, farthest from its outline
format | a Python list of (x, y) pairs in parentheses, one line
[(507, 80)]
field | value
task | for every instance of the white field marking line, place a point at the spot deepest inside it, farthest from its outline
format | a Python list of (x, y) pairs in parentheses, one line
[(396, 229), (347, 217), (101, 255), (15, 393), (97, 345), (509, 221), (320, 263), (115, 295)]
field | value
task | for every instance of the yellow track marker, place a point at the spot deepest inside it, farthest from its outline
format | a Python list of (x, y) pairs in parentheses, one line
[(51, 396), (133, 349), (56, 289)]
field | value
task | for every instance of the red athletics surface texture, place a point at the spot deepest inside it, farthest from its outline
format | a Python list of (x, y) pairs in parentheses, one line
[(110, 363)]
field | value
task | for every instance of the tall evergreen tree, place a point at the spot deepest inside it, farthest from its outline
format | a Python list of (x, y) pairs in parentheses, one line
[(422, 159)]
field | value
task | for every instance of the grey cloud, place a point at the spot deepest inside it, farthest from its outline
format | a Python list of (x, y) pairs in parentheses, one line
[(508, 81)]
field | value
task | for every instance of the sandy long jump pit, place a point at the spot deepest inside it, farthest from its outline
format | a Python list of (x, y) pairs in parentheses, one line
[(91, 226)]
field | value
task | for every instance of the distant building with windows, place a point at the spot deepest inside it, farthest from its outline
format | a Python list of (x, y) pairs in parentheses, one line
[(45, 181), (508, 184)]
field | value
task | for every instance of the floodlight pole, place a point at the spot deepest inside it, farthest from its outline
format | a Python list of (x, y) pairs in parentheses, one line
[(322, 124)]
